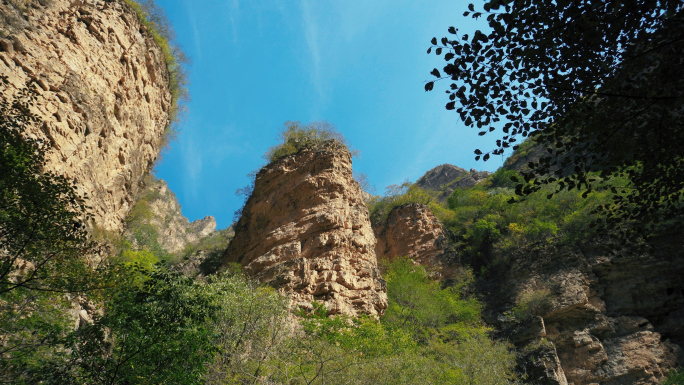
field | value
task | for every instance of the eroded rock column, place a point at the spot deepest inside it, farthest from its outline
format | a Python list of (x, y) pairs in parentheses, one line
[(306, 231)]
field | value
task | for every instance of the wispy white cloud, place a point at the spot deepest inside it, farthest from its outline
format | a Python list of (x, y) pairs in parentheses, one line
[(192, 156), (195, 31), (311, 33), (356, 16), (233, 15)]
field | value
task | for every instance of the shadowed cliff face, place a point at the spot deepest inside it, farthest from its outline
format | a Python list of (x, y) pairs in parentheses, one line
[(158, 208), (104, 95), (612, 317), (305, 230)]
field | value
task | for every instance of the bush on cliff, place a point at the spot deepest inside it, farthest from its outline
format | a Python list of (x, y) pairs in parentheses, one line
[(294, 136), (154, 19)]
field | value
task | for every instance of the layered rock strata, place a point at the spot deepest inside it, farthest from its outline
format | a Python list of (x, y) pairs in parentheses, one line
[(103, 98), (611, 318), (413, 231), (306, 231)]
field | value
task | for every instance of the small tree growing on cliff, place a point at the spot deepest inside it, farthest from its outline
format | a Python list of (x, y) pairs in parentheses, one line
[(294, 136)]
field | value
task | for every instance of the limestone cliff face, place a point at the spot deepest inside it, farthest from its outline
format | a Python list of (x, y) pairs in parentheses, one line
[(412, 230), (305, 230), (104, 96), (612, 318), (157, 206)]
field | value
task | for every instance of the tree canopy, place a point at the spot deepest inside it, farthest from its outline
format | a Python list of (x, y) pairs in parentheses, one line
[(597, 83)]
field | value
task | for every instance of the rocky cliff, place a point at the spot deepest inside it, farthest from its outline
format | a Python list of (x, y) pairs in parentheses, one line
[(103, 90), (413, 231), (446, 178), (305, 230), (580, 314), (611, 317), (157, 208)]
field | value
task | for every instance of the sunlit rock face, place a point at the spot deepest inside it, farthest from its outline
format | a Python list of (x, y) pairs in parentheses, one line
[(413, 231), (103, 96), (306, 231), (446, 178)]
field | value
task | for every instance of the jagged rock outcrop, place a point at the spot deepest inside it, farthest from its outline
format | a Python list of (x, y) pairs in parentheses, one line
[(612, 318), (446, 178), (103, 88), (157, 206), (413, 231), (437, 177), (306, 231)]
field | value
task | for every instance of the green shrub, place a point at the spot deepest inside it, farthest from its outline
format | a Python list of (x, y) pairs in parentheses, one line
[(294, 136), (395, 196), (154, 19), (532, 304), (421, 306), (676, 377)]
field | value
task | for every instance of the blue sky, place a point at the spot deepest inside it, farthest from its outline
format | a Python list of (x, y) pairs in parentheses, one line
[(360, 65)]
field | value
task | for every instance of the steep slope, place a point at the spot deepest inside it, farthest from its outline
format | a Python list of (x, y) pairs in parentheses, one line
[(305, 230), (104, 93), (613, 318), (581, 309), (446, 178), (157, 209)]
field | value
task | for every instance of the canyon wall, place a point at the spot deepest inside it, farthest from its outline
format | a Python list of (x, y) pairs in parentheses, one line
[(158, 209), (585, 314), (104, 98), (305, 230), (610, 317)]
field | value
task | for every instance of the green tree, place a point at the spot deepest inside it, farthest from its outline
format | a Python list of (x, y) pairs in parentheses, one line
[(44, 246), (597, 83), (157, 331)]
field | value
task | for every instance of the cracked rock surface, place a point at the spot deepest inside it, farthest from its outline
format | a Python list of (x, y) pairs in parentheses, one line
[(103, 93), (306, 231)]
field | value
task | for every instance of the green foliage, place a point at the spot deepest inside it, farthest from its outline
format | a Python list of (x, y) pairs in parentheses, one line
[(294, 136), (488, 228), (157, 332), (676, 377), (40, 213), (532, 304), (154, 19), (395, 196), (43, 243), (603, 99), (429, 335), (143, 258), (419, 305)]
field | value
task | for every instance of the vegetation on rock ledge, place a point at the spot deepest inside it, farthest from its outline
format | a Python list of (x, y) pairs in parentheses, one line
[(154, 19)]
